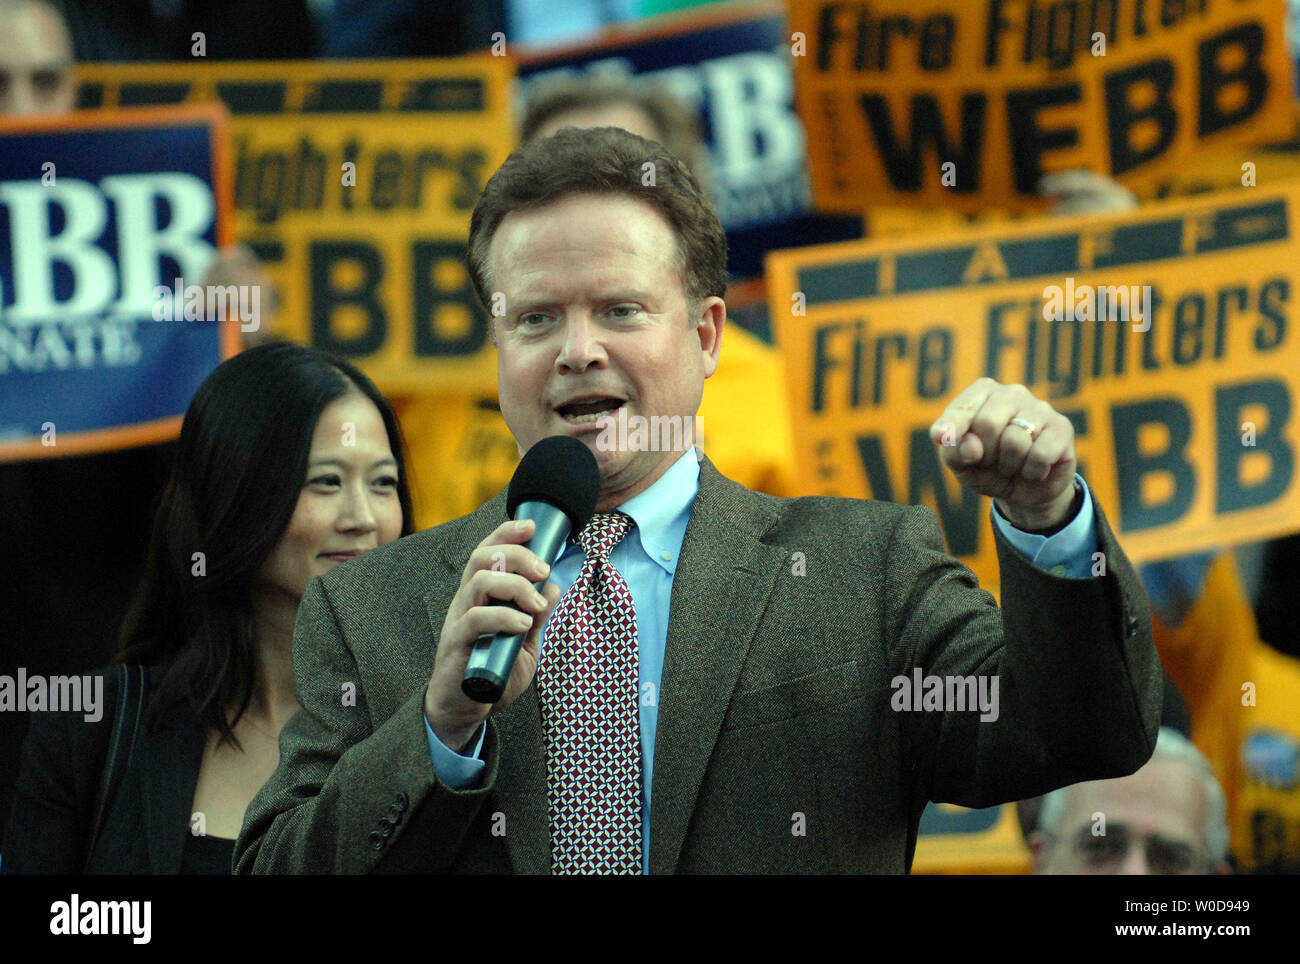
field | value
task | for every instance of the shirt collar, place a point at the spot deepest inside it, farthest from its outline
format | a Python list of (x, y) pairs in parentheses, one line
[(662, 511)]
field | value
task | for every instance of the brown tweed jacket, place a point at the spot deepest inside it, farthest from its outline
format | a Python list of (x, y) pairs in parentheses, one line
[(775, 700)]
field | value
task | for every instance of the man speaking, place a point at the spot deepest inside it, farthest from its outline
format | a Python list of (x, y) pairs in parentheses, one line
[(708, 681)]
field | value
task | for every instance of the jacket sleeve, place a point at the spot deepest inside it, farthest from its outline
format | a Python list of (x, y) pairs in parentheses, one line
[(1079, 684), (345, 792)]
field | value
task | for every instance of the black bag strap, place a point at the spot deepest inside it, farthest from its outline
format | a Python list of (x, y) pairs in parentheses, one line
[(121, 745)]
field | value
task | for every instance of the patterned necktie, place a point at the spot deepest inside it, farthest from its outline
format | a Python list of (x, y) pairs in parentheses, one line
[(587, 681)]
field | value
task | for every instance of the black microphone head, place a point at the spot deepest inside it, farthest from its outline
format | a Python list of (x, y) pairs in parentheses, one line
[(562, 472)]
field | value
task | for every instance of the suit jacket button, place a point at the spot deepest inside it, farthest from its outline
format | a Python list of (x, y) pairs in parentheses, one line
[(401, 802), (387, 831), (376, 840)]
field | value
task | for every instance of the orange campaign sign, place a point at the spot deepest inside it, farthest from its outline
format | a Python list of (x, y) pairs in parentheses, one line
[(1261, 165), (968, 103), (955, 840), (1165, 335), (353, 183)]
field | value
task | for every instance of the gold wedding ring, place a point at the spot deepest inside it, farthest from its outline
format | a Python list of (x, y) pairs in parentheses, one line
[(1029, 427)]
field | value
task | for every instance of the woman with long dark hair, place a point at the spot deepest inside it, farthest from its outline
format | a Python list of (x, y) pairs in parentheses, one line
[(290, 462)]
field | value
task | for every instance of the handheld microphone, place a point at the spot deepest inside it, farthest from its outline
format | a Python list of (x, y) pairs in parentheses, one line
[(556, 485)]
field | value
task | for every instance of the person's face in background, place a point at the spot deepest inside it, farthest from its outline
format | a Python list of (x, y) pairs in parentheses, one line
[(35, 62), (595, 307), (1154, 824), (348, 503)]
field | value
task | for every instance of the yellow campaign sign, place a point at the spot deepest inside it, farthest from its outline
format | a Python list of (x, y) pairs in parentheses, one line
[(954, 840), (1165, 335), (1264, 165), (967, 103), (354, 183), (1260, 165)]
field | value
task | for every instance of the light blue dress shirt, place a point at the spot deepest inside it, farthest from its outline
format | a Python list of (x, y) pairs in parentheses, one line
[(647, 559)]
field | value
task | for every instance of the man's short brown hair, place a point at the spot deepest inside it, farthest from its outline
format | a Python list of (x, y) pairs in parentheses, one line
[(604, 160)]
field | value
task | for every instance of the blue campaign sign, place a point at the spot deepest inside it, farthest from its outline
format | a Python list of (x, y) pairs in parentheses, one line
[(107, 221), (735, 69)]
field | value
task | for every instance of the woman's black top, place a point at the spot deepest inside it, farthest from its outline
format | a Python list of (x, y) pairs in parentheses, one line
[(207, 855)]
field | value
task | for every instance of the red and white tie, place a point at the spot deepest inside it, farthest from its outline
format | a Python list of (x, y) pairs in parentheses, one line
[(587, 681)]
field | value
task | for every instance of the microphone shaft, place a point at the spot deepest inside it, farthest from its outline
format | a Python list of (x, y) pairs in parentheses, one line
[(493, 657)]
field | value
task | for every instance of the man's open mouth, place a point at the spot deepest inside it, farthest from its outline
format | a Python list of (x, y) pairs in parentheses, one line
[(588, 410)]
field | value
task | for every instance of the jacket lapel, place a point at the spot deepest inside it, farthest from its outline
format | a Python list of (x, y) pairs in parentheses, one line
[(521, 776), (168, 762), (521, 783), (724, 577)]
